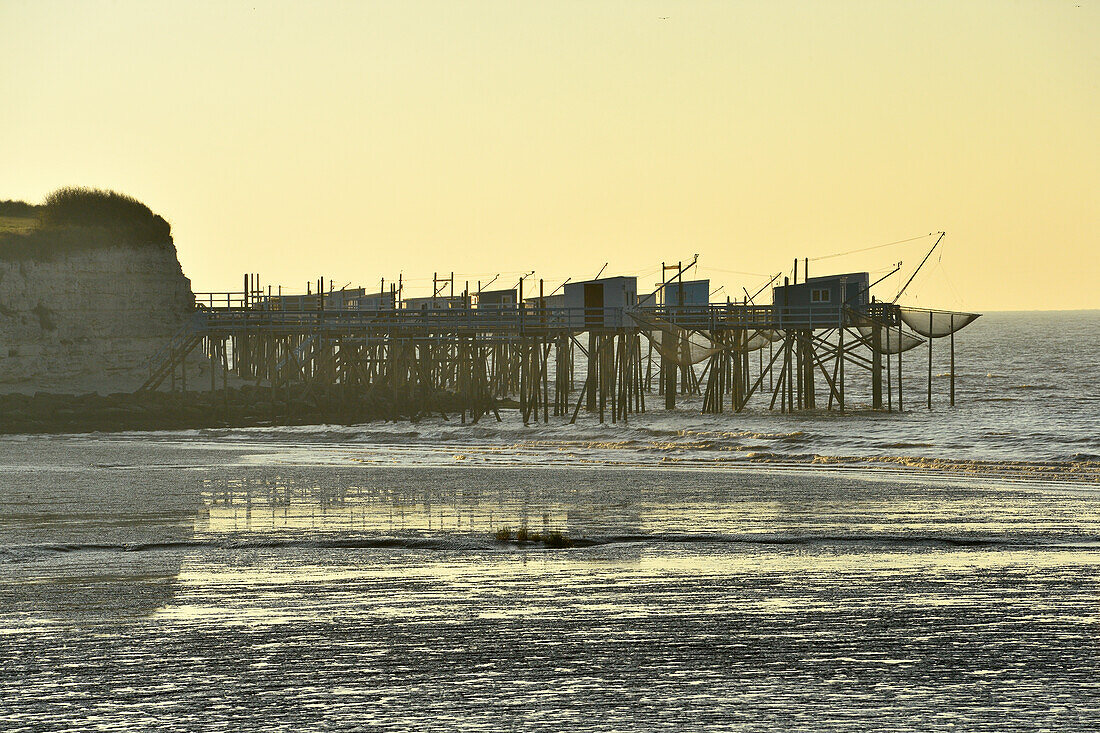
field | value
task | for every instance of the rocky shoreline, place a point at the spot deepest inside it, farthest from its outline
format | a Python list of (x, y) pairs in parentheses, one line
[(246, 406)]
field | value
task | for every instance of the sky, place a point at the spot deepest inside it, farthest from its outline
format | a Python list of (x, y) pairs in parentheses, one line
[(358, 140)]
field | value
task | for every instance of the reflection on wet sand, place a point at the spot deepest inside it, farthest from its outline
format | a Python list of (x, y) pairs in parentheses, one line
[(91, 545), (618, 504), (304, 503)]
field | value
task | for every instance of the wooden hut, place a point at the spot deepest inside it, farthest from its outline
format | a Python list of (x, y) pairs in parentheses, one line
[(689, 292), (601, 303), (498, 298)]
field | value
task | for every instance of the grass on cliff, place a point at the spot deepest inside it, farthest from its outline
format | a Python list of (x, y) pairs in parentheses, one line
[(73, 219), (17, 224), (18, 217)]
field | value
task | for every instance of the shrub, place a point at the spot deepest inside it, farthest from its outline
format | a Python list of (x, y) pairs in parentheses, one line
[(17, 208), (74, 219), (504, 534), (77, 206), (92, 206)]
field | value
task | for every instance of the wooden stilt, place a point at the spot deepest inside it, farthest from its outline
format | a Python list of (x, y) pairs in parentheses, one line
[(952, 359), (929, 361)]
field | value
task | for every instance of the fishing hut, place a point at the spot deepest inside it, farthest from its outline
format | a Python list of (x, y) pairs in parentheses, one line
[(596, 346), (603, 303), (374, 301), (545, 301), (688, 292), (498, 298), (434, 303)]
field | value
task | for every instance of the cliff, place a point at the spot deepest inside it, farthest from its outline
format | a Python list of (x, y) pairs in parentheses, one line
[(84, 306)]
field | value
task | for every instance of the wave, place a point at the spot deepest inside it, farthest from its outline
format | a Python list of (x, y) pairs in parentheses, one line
[(1086, 470), (945, 440), (1080, 466), (793, 436)]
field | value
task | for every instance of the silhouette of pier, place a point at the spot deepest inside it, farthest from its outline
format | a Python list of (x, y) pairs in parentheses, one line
[(552, 358)]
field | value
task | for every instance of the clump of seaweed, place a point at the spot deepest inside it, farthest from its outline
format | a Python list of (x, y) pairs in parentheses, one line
[(557, 540), (554, 540)]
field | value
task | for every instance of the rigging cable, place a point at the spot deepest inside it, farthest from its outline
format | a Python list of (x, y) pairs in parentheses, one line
[(868, 249), (910, 280)]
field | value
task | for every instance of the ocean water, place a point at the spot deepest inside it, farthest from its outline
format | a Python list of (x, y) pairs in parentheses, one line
[(931, 570)]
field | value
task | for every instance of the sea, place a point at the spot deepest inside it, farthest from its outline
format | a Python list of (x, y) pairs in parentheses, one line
[(925, 570)]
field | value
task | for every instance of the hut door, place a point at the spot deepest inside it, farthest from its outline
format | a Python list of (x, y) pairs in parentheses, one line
[(593, 305)]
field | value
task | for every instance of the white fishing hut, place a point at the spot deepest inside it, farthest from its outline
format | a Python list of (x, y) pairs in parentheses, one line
[(601, 303)]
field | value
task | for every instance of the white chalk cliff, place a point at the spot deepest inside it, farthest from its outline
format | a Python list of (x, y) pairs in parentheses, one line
[(88, 319)]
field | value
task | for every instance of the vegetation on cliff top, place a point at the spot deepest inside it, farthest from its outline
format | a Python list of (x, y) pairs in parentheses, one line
[(75, 218)]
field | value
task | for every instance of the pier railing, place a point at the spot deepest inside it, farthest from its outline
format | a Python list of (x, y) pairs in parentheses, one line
[(527, 320)]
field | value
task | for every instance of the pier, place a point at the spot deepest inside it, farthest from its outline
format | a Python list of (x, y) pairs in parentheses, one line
[(598, 348)]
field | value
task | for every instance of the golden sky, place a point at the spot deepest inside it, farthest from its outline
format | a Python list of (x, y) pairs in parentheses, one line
[(356, 140)]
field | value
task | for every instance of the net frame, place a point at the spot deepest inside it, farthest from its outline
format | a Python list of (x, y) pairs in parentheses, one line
[(935, 323)]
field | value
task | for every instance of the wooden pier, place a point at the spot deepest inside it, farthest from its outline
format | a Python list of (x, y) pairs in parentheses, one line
[(554, 362)]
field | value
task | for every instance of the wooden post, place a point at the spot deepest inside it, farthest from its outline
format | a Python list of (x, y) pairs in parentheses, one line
[(738, 386), (876, 366), (668, 368), (952, 359), (929, 360), (225, 379), (602, 375), (791, 356), (809, 390), (271, 378), (889, 385), (545, 376), (593, 371), (523, 369), (800, 368), (840, 355), (901, 407), (771, 359)]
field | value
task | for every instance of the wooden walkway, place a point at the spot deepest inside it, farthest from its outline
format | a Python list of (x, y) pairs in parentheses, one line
[(555, 362)]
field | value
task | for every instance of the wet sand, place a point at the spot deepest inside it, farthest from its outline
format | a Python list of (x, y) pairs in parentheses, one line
[(199, 586)]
